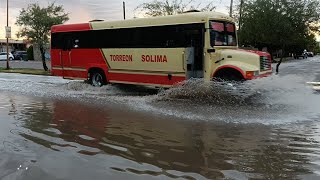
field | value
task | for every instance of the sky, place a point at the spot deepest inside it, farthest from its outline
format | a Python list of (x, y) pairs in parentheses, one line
[(85, 10)]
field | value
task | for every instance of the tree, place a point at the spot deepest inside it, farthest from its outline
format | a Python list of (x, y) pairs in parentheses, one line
[(279, 24), (36, 22), (171, 7)]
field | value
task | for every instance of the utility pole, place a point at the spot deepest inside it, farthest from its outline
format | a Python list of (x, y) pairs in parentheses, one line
[(240, 21), (7, 34), (124, 10), (231, 5), (240, 14)]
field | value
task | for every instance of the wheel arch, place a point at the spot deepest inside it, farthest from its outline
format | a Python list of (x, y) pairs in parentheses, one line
[(98, 69), (229, 68)]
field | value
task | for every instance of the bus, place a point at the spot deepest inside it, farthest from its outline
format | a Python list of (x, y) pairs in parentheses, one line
[(156, 51)]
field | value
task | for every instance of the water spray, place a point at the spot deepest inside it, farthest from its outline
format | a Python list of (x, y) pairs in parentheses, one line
[(315, 85)]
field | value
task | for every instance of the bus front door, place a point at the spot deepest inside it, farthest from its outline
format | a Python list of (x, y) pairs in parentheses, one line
[(189, 58), (193, 70)]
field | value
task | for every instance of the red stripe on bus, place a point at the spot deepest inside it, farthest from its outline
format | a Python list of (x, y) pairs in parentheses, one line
[(55, 72), (145, 78), (69, 73), (70, 27)]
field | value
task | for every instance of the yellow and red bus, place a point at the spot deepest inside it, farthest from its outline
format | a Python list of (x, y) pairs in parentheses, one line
[(157, 51)]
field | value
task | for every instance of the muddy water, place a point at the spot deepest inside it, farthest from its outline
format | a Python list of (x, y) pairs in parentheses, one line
[(58, 129)]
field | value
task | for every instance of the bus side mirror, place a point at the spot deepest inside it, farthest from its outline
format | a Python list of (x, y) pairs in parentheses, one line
[(211, 50)]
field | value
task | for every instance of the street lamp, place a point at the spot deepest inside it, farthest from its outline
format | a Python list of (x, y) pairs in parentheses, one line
[(124, 10)]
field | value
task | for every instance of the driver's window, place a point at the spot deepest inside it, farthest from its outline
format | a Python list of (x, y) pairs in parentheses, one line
[(218, 39)]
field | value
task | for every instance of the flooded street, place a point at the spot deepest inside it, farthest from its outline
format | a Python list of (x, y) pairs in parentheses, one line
[(57, 129)]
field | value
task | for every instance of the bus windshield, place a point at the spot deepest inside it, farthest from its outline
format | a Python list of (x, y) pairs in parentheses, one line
[(222, 34)]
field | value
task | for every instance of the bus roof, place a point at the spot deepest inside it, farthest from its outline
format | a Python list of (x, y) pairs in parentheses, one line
[(185, 18)]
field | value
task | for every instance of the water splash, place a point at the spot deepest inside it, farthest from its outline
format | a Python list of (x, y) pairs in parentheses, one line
[(276, 99), (210, 92)]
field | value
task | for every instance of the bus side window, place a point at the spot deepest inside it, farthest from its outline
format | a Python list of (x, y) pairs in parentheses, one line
[(76, 43), (67, 45), (170, 43)]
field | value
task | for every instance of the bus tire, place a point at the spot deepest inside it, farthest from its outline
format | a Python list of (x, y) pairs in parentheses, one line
[(97, 78), (229, 74)]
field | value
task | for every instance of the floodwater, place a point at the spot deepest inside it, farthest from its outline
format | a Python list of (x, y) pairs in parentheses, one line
[(58, 129)]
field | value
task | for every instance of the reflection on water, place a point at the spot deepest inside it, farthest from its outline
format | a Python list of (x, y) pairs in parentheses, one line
[(55, 139)]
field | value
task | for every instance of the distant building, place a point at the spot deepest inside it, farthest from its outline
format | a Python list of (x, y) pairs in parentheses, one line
[(13, 45)]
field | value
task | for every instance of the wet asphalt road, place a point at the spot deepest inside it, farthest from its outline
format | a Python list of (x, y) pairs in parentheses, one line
[(57, 129), (307, 68)]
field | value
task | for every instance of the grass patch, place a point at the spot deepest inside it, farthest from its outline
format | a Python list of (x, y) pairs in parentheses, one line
[(25, 71)]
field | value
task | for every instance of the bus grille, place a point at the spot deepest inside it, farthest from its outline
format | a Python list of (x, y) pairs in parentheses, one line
[(265, 63)]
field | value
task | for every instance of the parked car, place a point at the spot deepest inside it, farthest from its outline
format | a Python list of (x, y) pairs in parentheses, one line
[(310, 54), (3, 56), (20, 55), (301, 54)]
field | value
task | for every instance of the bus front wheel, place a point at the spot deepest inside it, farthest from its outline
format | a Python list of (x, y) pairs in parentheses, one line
[(229, 74), (97, 78)]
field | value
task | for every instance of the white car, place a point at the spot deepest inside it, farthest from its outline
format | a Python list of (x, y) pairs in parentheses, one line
[(3, 56)]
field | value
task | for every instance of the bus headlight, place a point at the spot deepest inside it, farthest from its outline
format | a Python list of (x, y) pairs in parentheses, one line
[(251, 74)]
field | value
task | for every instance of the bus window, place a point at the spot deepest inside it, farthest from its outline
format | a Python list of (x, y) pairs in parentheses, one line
[(67, 45), (76, 43), (222, 34), (217, 39), (217, 26), (230, 28)]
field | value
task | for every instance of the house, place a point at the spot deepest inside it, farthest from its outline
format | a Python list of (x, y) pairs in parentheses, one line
[(13, 45)]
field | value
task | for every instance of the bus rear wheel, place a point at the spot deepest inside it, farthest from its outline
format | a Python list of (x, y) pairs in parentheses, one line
[(97, 78)]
